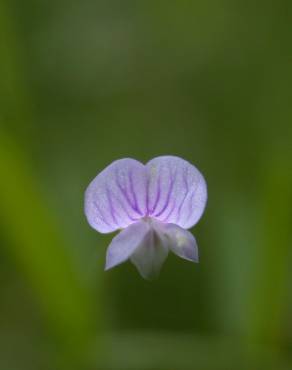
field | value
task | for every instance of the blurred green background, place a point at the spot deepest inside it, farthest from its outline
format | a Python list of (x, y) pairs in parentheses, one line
[(86, 82)]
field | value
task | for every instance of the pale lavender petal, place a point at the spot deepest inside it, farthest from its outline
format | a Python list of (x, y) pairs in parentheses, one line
[(125, 243), (176, 191), (116, 197), (150, 255), (181, 242)]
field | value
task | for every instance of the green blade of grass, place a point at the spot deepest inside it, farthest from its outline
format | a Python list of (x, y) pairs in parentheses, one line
[(39, 249)]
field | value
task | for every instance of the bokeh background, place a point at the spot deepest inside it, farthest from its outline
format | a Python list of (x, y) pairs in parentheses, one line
[(86, 82)]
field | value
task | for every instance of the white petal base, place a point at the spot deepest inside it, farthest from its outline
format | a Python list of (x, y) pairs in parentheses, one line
[(150, 256), (124, 244), (147, 242)]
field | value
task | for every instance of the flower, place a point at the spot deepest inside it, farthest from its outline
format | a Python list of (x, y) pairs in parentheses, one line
[(153, 205)]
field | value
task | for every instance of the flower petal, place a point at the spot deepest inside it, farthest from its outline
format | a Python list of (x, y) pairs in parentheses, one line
[(116, 197), (177, 191), (181, 242), (150, 255), (124, 244)]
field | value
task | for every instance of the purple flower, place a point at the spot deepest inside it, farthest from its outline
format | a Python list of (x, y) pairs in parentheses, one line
[(153, 204)]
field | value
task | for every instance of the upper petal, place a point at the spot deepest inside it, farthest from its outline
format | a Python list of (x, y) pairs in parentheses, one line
[(116, 197), (177, 191), (125, 243)]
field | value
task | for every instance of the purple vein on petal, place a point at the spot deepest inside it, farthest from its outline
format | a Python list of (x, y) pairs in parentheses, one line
[(112, 212), (147, 196), (125, 209), (101, 215), (185, 180), (191, 204), (157, 195), (125, 193), (136, 207), (173, 178), (170, 212)]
